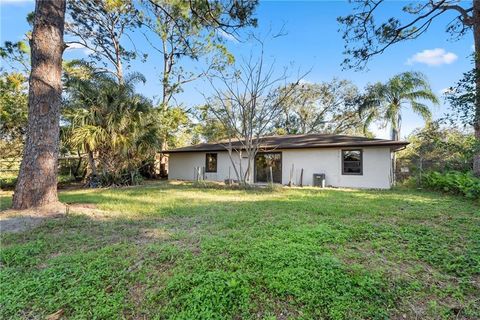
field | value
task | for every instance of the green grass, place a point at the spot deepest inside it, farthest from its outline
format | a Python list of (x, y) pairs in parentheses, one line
[(182, 252)]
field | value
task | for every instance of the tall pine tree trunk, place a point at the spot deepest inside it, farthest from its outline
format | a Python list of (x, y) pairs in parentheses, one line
[(476, 123), (37, 180)]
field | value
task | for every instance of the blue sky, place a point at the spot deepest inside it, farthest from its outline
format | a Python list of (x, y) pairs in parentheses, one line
[(312, 40)]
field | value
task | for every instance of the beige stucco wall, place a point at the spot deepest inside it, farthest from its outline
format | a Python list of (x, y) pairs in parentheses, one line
[(376, 167), (181, 166)]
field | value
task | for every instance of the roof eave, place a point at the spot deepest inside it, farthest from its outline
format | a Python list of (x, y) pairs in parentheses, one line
[(394, 146)]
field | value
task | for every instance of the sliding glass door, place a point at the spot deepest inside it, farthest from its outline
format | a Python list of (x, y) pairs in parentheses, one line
[(263, 162)]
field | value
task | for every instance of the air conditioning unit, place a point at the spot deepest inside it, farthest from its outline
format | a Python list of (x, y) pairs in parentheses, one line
[(319, 180)]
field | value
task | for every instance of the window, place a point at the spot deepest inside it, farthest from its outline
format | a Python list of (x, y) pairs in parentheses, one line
[(211, 162), (352, 162)]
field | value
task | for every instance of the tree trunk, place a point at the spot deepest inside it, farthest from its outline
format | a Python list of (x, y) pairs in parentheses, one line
[(120, 72), (166, 95), (37, 180), (163, 157), (91, 164), (476, 121), (77, 168), (395, 136)]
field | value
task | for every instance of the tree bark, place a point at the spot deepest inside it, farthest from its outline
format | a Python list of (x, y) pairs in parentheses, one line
[(476, 121), (77, 168), (91, 164), (37, 180), (395, 136)]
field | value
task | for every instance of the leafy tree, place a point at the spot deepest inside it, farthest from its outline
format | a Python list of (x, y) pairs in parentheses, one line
[(186, 29), (366, 37), (191, 30), (13, 97), (228, 16), (15, 54), (101, 26), (174, 123), (13, 115), (37, 180), (13, 106), (461, 98), (14, 72), (328, 107), (208, 128), (182, 34), (385, 102), (437, 148)]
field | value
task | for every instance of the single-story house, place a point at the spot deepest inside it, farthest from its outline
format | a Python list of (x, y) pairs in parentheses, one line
[(346, 161)]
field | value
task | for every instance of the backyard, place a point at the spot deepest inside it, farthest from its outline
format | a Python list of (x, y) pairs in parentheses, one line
[(182, 251)]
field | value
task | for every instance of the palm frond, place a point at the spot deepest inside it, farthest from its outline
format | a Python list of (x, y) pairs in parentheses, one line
[(408, 88), (423, 95), (422, 110)]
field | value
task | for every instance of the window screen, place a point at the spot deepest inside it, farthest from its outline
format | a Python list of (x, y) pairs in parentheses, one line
[(211, 162), (352, 162)]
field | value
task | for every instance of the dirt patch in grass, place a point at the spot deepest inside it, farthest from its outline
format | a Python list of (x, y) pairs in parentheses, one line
[(152, 234), (91, 210), (12, 221), (137, 296), (19, 224), (281, 310), (184, 231)]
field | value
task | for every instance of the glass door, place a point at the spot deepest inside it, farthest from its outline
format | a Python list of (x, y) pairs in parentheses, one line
[(263, 162)]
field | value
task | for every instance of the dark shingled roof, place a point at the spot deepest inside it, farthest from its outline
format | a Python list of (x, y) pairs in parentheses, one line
[(299, 142)]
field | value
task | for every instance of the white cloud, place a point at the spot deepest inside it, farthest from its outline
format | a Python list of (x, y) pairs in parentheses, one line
[(78, 46), (433, 57), (227, 36), (305, 81)]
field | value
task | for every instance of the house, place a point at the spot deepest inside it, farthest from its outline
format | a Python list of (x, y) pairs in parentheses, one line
[(346, 161)]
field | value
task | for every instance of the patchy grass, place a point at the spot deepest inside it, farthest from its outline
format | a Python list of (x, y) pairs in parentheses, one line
[(178, 251)]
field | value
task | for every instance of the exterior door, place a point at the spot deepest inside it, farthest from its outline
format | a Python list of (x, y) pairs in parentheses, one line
[(263, 162)]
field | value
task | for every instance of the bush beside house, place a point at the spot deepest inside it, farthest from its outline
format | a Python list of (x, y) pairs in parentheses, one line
[(453, 182)]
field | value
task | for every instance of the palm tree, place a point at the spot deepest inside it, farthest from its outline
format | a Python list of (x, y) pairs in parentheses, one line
[(110, 120), (385, 102)]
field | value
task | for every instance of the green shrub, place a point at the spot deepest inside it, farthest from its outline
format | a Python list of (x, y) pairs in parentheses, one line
[(122, 178), (453, 182)]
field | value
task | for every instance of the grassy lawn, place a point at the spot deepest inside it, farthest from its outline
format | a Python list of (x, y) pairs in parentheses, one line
[(183, 252)]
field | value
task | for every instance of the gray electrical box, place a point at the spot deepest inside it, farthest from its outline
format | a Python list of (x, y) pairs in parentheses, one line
[(319, 180)]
